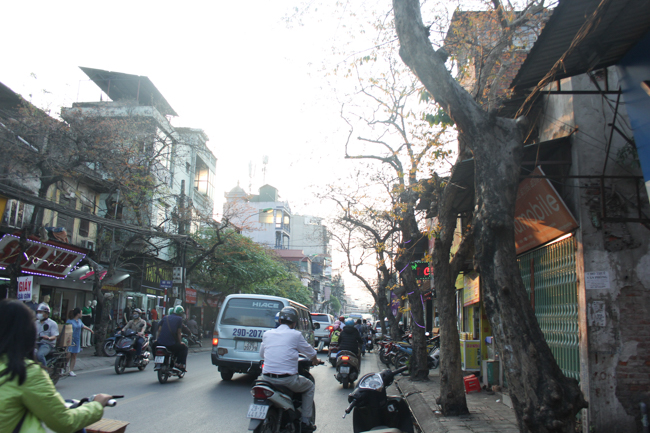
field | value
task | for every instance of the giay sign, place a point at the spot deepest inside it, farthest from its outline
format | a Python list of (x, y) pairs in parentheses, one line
[(25, 285)]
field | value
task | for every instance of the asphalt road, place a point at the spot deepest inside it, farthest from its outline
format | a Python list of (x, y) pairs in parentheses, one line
[(201, 401)]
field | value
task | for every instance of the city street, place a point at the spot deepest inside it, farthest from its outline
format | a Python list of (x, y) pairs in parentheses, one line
[(201, 400)]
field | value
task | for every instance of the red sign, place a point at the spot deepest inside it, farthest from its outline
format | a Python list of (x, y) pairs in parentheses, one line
[(45, 259), (190, 296), (540, 213)]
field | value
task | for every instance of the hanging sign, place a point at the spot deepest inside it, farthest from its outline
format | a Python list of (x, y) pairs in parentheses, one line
[(422, 270), (25, 288), (540, 213), (41, 258), (190, 296)]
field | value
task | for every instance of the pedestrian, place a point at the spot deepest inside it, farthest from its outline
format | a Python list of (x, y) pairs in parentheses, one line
[(27, 395), (77, 326)]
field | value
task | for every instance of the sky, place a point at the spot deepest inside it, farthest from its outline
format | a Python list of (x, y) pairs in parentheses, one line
[(255, 83)]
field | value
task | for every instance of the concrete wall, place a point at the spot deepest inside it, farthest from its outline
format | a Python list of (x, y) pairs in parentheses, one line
[(614, 331)]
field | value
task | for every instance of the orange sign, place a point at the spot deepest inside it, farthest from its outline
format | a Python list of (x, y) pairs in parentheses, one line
[(540, 213), (190, 296)]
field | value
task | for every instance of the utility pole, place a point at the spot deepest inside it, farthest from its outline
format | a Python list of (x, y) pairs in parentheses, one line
[(181, 231)]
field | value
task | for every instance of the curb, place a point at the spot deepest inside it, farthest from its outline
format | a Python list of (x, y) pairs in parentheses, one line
[(420, 410)]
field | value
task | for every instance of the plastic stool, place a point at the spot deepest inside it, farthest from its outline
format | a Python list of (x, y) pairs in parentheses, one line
[(471, 384)]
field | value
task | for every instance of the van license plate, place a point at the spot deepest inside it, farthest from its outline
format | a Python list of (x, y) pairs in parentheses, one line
[(344, 370), (159, 360), (251, 346), (257, 411)]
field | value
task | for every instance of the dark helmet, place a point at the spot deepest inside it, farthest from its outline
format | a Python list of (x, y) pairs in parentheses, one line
[(289, 314)]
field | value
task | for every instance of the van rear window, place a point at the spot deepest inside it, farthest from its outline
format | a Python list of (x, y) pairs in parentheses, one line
[(320, 318), (251, 312)]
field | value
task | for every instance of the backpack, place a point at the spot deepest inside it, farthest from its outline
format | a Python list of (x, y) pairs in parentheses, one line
[(335, 336)]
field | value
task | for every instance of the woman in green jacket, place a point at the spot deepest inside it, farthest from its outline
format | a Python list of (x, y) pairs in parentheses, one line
[(27, 395)]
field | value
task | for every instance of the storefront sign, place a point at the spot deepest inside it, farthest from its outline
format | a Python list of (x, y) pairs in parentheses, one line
[(25, 288), (540, 213), (110, 288), (166, 284), (422, 270), (190, 296), (41, 258), (471, 294)]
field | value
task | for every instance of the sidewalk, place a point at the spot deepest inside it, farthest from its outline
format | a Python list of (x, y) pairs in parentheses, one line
[(86, 361), (487, 414)]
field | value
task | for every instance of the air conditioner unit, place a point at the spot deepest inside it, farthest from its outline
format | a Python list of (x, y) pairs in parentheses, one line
[(88, 245)]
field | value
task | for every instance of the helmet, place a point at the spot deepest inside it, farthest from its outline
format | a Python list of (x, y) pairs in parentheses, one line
[(138, 310), (289, 314), (277, 319), (178, 310), (342, 319), (43, 307), (349, 322), (170, 311)]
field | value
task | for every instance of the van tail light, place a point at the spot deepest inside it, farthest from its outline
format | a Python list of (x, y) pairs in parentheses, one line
[(260, 392), (329, 328), (215, 338), (345, 358)]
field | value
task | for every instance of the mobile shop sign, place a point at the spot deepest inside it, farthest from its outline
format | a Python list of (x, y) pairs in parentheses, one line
[(41, 258), (422, 270), (25, 288), (540, 213)]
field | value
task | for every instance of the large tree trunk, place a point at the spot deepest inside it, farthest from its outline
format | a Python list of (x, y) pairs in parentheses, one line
[(544, 399), (452, 399)]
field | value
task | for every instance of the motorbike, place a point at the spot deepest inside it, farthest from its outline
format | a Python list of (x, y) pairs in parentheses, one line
[(192, 339), (97, 427), (165, 365), (56, 361), (109, 343), (332, 350), (347, 368), (276, 408), (369, 343), (125, 348), (373, 409)]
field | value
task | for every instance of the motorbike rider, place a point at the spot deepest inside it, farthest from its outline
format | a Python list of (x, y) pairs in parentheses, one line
[(194, 327), (137, 324), (350, 339), (46, 335), (170, 335), (335, 333), (363, 331), (280, 350)]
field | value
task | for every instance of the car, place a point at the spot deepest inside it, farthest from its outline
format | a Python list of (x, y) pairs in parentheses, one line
[(377, 327), (326, 325)]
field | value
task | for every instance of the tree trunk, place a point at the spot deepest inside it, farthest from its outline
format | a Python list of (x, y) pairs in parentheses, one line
[(452, 399), (543, 398)]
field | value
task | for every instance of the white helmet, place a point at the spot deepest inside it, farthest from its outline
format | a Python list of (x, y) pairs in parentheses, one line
[(43, 307)]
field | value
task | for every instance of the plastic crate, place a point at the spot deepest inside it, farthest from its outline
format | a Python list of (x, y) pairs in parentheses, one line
[(471, 384)]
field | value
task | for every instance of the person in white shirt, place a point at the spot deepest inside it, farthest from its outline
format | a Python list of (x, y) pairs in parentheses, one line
[(280, 349), (47, 332)]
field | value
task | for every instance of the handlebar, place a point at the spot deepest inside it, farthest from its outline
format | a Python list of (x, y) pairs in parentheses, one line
[(349, 409)]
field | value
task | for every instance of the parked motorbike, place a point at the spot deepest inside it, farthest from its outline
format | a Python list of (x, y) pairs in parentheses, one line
[(277, 408), (125, 348), (165, 364), (373, 409), (347, 368), (109, 343), (369, 343)]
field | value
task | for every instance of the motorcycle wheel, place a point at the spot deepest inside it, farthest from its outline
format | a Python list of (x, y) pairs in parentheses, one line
[(270, 423), (227, 375), (163, 375), (346, 383), (382, 355), (55, 375), (120, 364), (400, 361), (109, 348)]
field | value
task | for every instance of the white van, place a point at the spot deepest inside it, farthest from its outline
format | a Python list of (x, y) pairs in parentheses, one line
[(239, 328)]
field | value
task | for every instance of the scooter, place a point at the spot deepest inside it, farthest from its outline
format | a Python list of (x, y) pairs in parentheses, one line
[(192, 339), (347, 368), (369, 344), (125, 348), (109, 343), (374, 410), (332, 350), (165, 365), (97, 427), (276, 408)]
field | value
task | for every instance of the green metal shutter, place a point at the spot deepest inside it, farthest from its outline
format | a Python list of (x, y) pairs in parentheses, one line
[(549, 275)]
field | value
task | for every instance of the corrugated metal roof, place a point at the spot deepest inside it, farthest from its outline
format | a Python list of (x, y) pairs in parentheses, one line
[(119, 86), (623, 24)]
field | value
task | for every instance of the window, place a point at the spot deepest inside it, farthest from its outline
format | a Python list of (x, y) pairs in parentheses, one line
[(66, 221), (251, 312), (84, 225), (17, 214), (188, 167)]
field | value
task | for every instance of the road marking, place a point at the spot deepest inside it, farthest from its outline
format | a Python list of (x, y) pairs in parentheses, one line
[(95, 369), (137, 397)]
